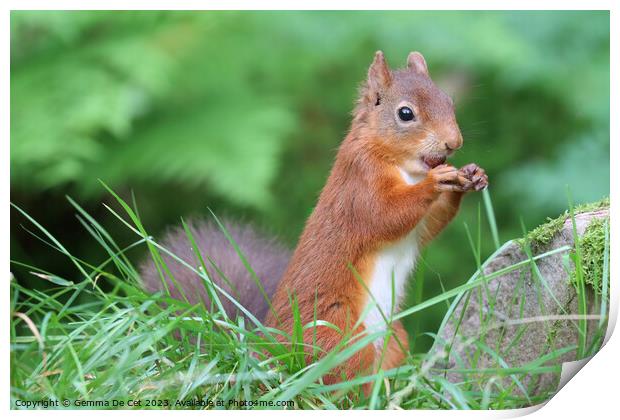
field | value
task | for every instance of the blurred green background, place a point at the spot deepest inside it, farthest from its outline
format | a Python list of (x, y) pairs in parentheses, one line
[(243, 112)]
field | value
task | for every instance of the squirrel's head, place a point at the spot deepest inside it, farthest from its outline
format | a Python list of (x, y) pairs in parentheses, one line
[(408, 114)]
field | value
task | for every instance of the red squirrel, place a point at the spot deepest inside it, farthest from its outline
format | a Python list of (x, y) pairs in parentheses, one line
[(389, 193)]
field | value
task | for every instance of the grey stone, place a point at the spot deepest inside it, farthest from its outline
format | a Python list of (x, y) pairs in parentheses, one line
[(520, 316)]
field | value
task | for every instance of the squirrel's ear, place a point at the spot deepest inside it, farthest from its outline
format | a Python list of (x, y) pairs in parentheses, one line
[(379, 74), (417, 63)]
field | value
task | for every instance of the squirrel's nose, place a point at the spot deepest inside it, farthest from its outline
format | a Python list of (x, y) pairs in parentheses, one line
[(454, 144)]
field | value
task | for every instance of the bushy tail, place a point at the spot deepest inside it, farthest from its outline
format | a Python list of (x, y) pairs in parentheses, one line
[(267, 257)]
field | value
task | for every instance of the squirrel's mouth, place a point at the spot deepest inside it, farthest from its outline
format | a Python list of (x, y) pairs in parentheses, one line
[(433, 161)]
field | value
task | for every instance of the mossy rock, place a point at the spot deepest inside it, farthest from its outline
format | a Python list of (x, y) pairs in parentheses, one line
[(544, 233), (592, 243), (514, 332)]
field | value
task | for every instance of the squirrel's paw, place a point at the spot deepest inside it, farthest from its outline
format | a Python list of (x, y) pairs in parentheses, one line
[(448, 178), (476, 176)]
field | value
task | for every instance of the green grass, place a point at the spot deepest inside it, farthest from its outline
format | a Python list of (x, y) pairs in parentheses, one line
[(100, 337)]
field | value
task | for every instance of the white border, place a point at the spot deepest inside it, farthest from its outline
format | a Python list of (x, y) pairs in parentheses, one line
[(592, 394)]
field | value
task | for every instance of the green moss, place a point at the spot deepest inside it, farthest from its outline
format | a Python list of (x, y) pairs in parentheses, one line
[(592, 253), (544, 233), (592, 241)]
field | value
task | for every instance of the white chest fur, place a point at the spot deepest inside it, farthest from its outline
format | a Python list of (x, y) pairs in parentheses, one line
[(393, 265), (409, 178)]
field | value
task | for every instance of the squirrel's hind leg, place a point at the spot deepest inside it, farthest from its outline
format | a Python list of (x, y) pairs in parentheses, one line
[(394, 353), (360, 364)]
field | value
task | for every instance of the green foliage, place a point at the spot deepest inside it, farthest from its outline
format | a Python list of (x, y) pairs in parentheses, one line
[(584, 165), (131, 104)]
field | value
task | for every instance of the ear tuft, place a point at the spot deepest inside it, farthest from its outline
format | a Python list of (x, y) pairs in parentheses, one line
[(379, 74), (417, 63)]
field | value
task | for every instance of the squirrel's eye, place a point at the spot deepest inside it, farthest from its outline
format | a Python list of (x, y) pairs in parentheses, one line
[(405, 114)]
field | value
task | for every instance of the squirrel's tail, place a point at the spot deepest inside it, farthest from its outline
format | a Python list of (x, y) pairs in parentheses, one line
[(267, 257)]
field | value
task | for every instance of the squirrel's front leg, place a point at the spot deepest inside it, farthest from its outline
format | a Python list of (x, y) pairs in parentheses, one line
[(476, 175), (403, 206), (442, 211)]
